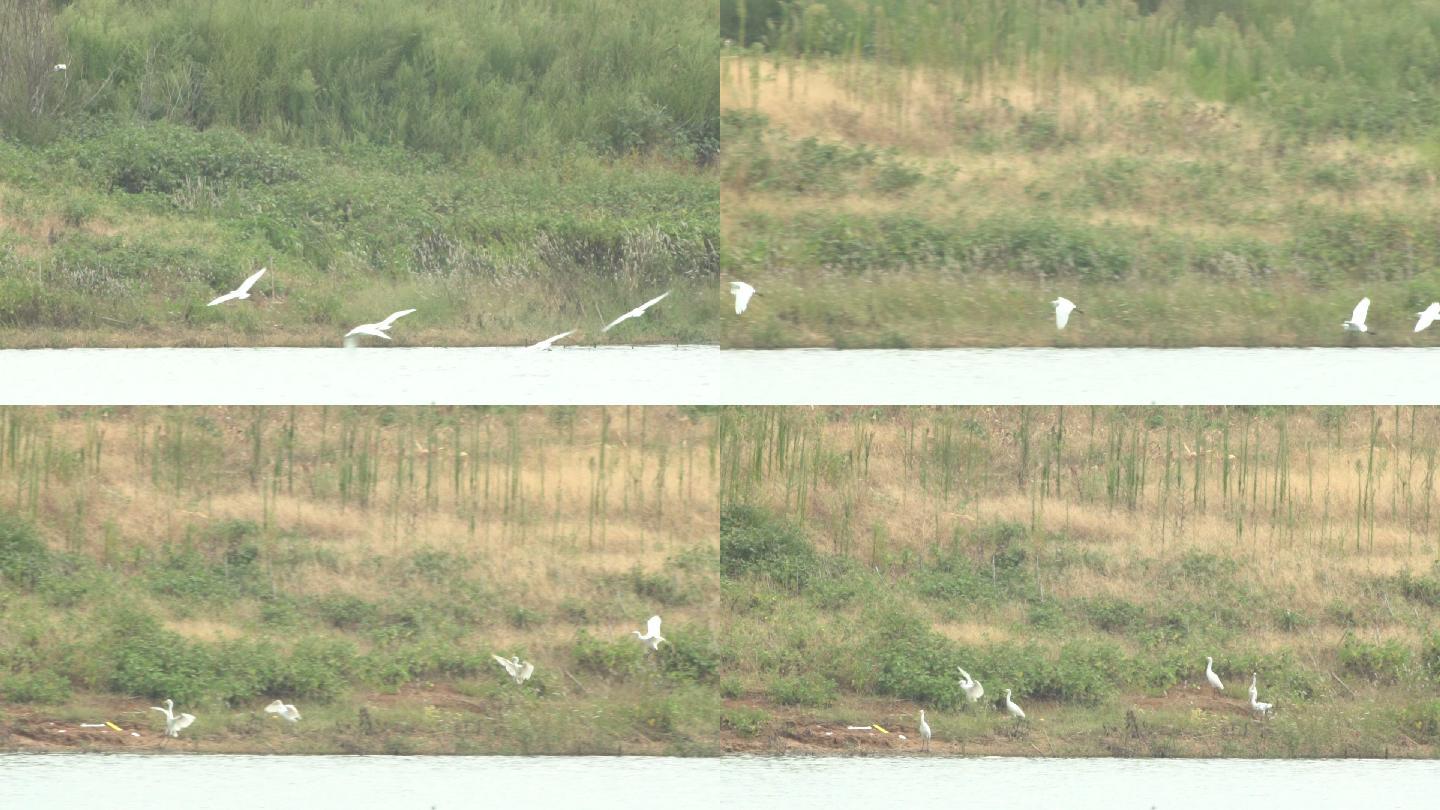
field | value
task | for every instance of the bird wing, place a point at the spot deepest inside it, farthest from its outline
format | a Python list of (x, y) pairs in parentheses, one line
[(507, 663), (742, 293), (652, 302), (1361, 310), (275, 707), (611, 325), (527, 671), (652, 627), (548, 342), (250, 282), (184, 721), (222, 299), (162, 710), (372, 329), (390, 321)]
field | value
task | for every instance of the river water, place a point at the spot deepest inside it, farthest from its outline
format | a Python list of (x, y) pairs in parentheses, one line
[(224, 782), (707, 375)]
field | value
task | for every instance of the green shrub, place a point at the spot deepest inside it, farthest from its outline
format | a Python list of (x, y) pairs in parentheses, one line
[(346, 612), (755, 542), (690, 655), (162, 157), (146, 660), (34, 687), (804, 690), (1114, 615), (1386, 662), (1422, 722), (24, 558), (608, 659), (744, 720)]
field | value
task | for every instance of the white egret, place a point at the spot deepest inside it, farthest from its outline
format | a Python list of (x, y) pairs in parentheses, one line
[(742, 293), (550, 341), (285, 710), (1357, 318), (1253, 691), (1210, 674), (970, 686), (924, 730), (379, 329), (1428, 316), (60, 67), (241, 292), (637, 312), (1014, 710), (174, 723), (520, 671), (652, 637), (1063, 307)]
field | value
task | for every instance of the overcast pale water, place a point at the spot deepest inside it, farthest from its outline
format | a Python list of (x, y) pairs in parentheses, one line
[(65, 781), (707, 375)]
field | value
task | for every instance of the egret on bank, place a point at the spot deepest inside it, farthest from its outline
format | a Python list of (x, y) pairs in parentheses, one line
[(1262, 709), (1428, 316), (520, 671), (1210, 674), (550, 341), (1014, 710), (174, 723), (1063, 307), (971, 687), (636, 312), (241, 292), (1357, 318), (285, 710), (924, 731), (652, 637), (379, 329), (742, 293)]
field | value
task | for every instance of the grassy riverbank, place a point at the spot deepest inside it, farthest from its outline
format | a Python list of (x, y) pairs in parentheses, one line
[(934, 175), (362, 564), (1085, 559), (510, 173)]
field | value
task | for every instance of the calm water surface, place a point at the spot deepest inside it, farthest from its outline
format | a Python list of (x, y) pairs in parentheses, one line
[(64, 781), (707, 375)]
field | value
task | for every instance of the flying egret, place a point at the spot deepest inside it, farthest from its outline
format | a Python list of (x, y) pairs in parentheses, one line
[(636, 312), (1014, 710), (520, 671), (1357, 318), (174, 722), (924, 730), (652, 637), (285, 710), (379, 329), (970, 686), (550, 341), (1428, 316), (1063, 307), (1210, 674), (241, 292), (60, 67), (742, 293)]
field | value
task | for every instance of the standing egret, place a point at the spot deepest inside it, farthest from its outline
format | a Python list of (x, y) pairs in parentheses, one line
[(174, 722), (742, 293), (1428, 316), (1210, 674), (970, 686), (924, 730), (1262, 709), (1063, 307), (520, 671), (638, 311), (550, 341), (652, 637), (241, 292), (1014, 710), (285, 710), (379, 329), (1357, 318)]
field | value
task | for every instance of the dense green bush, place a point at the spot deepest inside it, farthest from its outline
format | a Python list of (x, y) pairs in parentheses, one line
[(1386, 662), (754, 542), (34, 687), (608, 659), (162, 157), (803, 690), (24, 558)]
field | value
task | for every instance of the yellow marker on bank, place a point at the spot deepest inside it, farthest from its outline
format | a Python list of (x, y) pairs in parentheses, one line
[(879, 729), (112, 725)]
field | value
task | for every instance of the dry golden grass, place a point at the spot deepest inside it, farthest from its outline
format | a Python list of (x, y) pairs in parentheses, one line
[(522, 497)]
